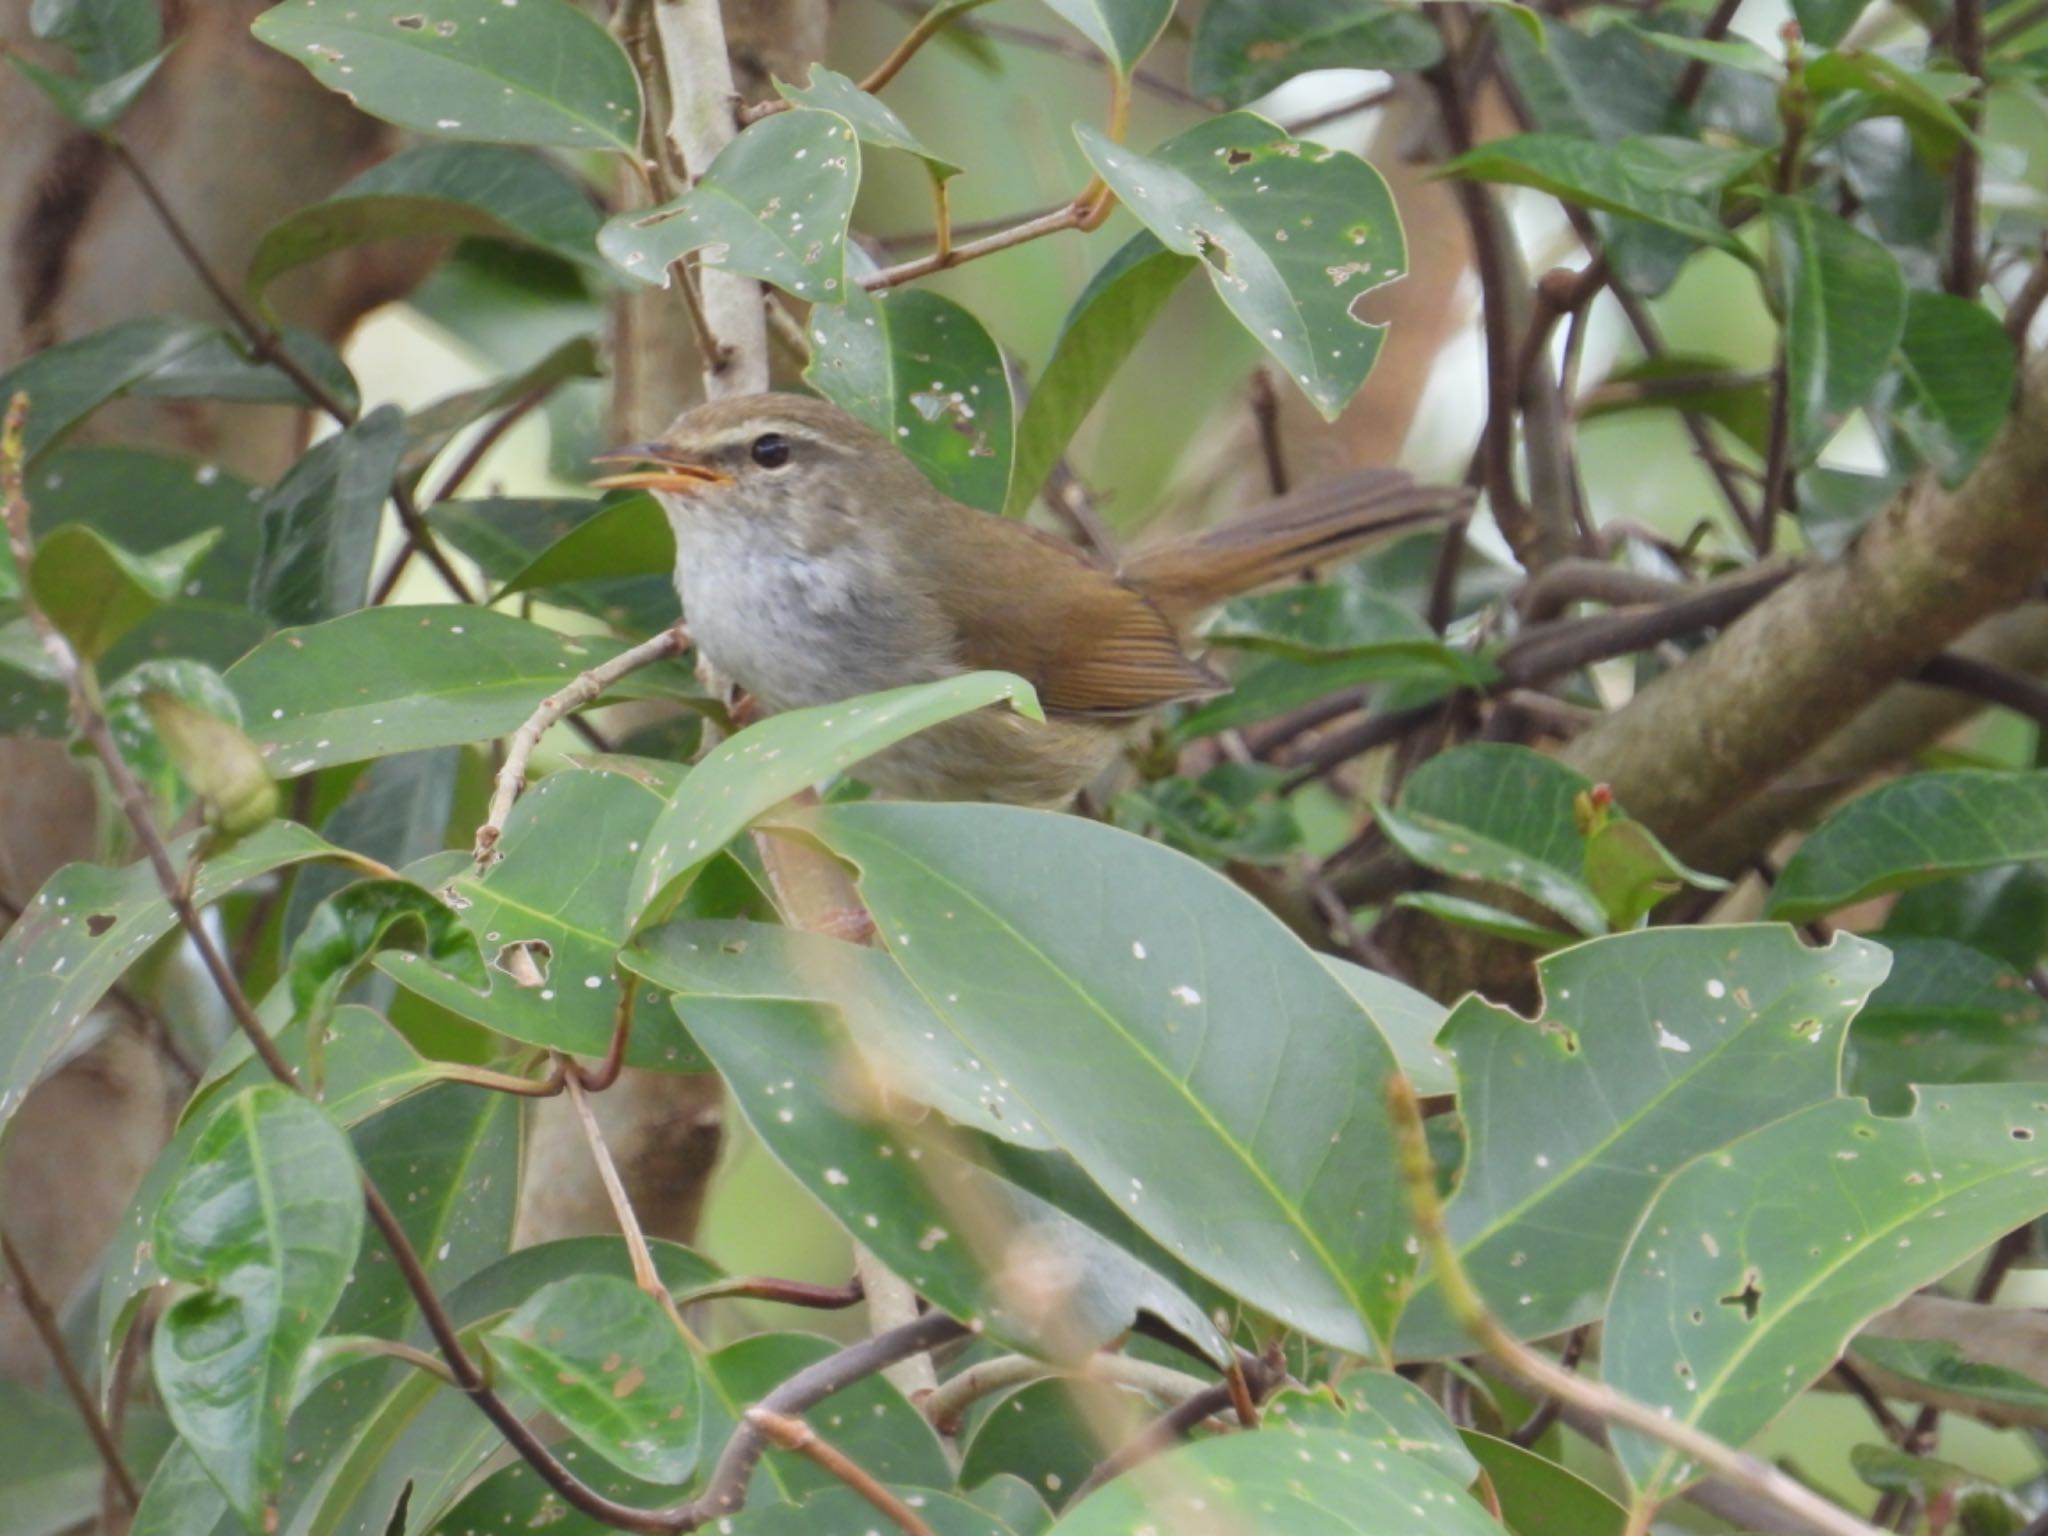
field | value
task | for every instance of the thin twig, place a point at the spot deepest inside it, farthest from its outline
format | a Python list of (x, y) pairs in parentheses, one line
[(793, 1434), (1064, 47), (1418, 1174), (645, 1275), (583, 689), (1895, 1429), (2019, 319), (1533, 1428), (928, 26), (1072, 215), (51, 1332), (1987, 681), (1265, 403), (788, 1293), (1965, 269), (947, 1406), (1694, 79), (1175, 1425)]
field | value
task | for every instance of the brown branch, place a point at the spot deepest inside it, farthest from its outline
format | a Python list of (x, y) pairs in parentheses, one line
[(1537, 1425), (1265, 403), (1965, 269), (1694, 80), (43, 1319), (2019, 318), (1066, 48), (928, 26), (1858, 1386), (788, 1293), (1074, 215), (1579, 580), (793, 1434), (1987, 681), (1178, 1422)]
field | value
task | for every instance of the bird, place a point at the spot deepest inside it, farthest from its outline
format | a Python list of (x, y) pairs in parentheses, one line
[(815, 562)]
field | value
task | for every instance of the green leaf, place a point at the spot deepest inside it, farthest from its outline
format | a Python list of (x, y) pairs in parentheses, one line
[(922, 370), (1652, 1047), (1382, 1409), (1050, 1435), (1540, 1498), (955, 1230), (1124, 30), (1953, 385), (180, 1497), (629, 537), (1480, 917), (897, 1033), (1160, 1070), (1629, 872), (750, 774), (1711, 386), (1283, 1480), (1877, 86), (1244, 48), (1114, 311), (265, 1218), (506, 535), (1604, 83), (487, 190), (1979, 1505), (223, 367), (349, 928), (773, 205), (1948, 1013), (1504, 814), (94, 105), (1293, 235), (873, 121), (599, 1354), (387, 680), (1756, 1265), (1410, 1020), (96, 592), (1912, 831), (320, 523), (2002, 911), (1273, 685), (1844, 304), (539, 72), (65, 383), (842, 1509), (1824, 23), (196, 723), (1314, 622), (1939, 1364), (396, 813), (1637, 178), (89, 924), (549, 917), (52, 1479), (433, 427), (1230, 814), (107, 37)]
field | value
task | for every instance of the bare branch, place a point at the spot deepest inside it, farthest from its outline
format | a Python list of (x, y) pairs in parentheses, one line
[(50, 1331)]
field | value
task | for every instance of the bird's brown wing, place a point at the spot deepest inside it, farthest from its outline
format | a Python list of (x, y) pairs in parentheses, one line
[(1088, 643)]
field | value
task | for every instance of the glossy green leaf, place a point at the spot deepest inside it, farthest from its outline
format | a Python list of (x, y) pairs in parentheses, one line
[(873, 121), (904, 1043), (630, 537), (2002, 910), (1939, 1364), (106, 37), (1157, 1067), (1244, 48), (265, 1219), (1629, 871), (1231, 814), (96, 592), (320, 523), (1646, 179), (842, 1509), (1844, 304), (1652, 1047), (1123, 29), (94, 105), (1824, 23), (180, 1497), (1014, 1502), (447, 1161), (921, 369), (1382, 1409), (538, 72), (1979, 1506), (1948, 1013), (88, 924), (1482, 917), (600, 1355), (488, 190), (1756, 1265), (52, 1479), (398, 812), (773, 205), (1307, 623), (516, 538), (1292, 234), (1050, 1434), (1605, 83), (960, 1234), (196, 721), (1107, 321), (1283, 1480), (350, 927), (1879, 86), (388, 680), (68, 381), (223, 367), (1954, 382), (1409, 1019), (549, 917), (750, 774), (1540, 1498), (1913, 831), (1274, 685)]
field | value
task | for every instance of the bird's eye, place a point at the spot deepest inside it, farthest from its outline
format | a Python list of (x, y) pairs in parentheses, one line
[(771, 450)]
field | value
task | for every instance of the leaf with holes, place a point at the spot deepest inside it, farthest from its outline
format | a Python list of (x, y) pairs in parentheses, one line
[(1123, 29), (601, 1355), (1843, 298), (88, 925), (1106, 323), (1281, 1479), (320, 523), (534, 72), (1913, 831), (1205, 1098), (873, 121), (773, 205), (1755, 1266), (922, 370), (348, 929), (1652, 1047), (1293, 236), (488, 190), (265, 1219), (1244, 48), (750, 774), (388, 680)]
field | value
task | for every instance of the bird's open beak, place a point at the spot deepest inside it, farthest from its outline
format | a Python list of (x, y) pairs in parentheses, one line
[(674, 473)]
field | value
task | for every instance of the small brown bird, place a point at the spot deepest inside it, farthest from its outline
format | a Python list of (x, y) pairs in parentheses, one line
[(815, 562)]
